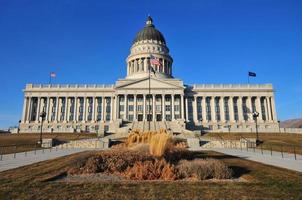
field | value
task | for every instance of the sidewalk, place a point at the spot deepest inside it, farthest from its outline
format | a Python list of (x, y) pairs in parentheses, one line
[(11, 161), (288, 161)]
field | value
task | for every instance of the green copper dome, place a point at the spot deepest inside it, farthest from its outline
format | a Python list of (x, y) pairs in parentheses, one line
[(149, 32)]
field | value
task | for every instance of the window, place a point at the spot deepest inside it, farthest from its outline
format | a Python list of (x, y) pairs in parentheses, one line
[(121, 108), (140, 108), (244, 109), (176, 108), (130, 117), (131, 107), (168, 107), (158, 108)]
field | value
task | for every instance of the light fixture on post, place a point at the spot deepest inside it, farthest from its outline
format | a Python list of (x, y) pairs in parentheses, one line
[(42, 115), (255, 116)]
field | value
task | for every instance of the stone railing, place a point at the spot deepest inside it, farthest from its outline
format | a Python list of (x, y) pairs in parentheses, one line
[(56, 86), (232, 86)]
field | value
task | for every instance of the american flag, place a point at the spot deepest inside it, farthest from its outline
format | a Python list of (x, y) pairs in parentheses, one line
[(154, 61), (53, 75)]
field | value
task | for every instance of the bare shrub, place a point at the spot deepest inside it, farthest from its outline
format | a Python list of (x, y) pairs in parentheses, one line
[(203, 169), (113, 161), (151, 170), (158, 141)]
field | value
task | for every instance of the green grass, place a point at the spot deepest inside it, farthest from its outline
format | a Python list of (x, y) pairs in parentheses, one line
[(265, 182)]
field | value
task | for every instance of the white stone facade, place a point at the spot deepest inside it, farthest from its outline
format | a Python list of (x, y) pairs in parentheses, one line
[(98, 108)]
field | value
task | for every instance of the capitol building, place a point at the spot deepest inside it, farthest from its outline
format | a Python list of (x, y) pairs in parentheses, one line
[(144, 100)]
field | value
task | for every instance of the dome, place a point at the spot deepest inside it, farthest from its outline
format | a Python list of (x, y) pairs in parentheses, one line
[(149, 32)]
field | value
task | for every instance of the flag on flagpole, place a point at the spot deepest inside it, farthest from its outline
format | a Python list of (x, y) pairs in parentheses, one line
[(53, 75), (252, 74), (154, 61), (152, 70)]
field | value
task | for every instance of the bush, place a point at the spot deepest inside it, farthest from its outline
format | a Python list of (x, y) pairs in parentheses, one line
[(114, 161), (151, 170), (203, 169)]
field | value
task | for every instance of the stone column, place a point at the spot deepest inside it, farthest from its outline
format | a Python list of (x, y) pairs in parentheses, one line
[(221, 105), (93, 109), (240, 111), (24, 110), (57, 109), (66, 109), (194, 104), (126, 107), (144, 105), (111, 107), (274, 117), (75, 109), (84, 109), (117, 107), (28, 105), (47, 109), (134, 108), (250, 108), (187, 113), (182, 106), (153, 107), (269, 111), (172, 108), (231, 108), (163, 107), (213, 112)]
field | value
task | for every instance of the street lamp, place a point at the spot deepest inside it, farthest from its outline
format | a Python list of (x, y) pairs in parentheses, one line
[(42, 115), (255, 116), (279, 126), (201, 127), (19, 126)]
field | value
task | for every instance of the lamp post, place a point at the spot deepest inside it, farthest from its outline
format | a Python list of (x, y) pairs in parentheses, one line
[(255, 116), (19, 126), (279, 126), (42, 115)]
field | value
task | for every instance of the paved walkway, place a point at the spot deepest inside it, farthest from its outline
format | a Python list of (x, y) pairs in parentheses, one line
[(288, 161), (11, 161)]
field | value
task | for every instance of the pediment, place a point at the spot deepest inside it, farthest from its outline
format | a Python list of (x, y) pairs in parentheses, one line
[(154, 84)]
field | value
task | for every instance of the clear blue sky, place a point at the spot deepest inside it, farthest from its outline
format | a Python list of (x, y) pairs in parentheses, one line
[(211, 41)]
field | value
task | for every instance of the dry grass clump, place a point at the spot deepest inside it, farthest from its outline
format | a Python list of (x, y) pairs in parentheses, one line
[(152, 170), (158, 142), (152, 156), (114, 161), (203, 169)]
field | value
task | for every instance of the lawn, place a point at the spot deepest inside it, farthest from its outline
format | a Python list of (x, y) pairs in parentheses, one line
[(10, 143), (263, 182), (287, 142)]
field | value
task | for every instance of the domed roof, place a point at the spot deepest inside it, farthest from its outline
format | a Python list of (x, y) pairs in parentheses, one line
[(149, 32)]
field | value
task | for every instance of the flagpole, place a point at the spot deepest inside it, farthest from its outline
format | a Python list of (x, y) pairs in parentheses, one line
[(149, 121)]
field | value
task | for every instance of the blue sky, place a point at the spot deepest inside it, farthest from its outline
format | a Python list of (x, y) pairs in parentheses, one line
[(211, 41)]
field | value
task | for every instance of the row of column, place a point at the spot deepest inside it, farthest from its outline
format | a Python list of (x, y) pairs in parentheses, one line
[(68, 109), (156, 106), (231, 108), (141, 65)]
